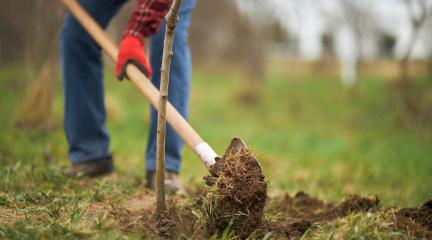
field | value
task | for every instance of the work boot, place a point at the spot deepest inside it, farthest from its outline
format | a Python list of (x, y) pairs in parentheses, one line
[(94, 168), (172, 182)]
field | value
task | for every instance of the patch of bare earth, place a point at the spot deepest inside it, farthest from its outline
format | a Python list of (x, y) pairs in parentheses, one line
[(136, 215), (286, 217)]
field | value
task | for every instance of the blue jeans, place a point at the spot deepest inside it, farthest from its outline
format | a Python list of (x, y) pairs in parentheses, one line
[(82, 72)]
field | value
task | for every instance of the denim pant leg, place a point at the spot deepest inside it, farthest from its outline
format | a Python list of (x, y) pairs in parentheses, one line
[(180, 78), (82, 73)]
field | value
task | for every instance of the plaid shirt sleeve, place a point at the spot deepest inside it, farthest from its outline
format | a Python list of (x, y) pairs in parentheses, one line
[(147, 17)]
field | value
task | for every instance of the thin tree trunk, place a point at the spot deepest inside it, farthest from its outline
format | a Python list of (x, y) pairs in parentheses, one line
[(404, 62), (405, 82), (171, 19)]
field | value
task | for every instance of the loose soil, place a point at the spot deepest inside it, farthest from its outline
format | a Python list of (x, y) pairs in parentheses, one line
[(416, 221), (236, 199), (295, 215), (285, 216), (165, 225)]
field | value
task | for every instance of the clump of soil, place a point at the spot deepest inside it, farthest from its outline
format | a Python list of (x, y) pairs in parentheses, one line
[(416, 221), (166, 226), (236, 194)]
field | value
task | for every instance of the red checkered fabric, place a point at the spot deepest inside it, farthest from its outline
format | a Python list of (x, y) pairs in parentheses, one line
[(147, 17)]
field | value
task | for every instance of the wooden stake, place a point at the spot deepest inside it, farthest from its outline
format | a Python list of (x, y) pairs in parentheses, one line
[(171, 23)]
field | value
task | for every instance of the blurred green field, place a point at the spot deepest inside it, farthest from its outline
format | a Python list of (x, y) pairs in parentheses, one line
[(308, 132)]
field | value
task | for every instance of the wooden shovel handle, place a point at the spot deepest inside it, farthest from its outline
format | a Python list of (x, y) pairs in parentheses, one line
[(174, 118)]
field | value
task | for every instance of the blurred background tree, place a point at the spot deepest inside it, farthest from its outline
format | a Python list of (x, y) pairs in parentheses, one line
[(222, 37), (33, 37), (32, 41), (418, 13)]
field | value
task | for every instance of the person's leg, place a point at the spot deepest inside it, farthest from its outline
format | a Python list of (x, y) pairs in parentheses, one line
[(180, 78), (82, 72)]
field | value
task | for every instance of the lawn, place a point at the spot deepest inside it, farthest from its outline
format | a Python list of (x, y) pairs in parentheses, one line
[(309, 133)]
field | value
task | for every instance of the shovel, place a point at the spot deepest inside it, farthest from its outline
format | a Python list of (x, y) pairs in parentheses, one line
[(175, 119)]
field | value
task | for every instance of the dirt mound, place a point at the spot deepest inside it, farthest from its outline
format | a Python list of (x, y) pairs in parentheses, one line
[(354, 203), (416, 221), (282, 229), (315, 210), (297, 214), (301, 204), (236, 194)]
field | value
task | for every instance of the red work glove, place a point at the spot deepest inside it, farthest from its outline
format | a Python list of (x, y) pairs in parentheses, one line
[(132, 51)]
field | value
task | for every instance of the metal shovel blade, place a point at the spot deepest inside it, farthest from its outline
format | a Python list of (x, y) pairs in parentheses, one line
[(237, 145)]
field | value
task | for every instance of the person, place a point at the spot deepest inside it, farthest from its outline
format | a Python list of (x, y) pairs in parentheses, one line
[(82, 72)]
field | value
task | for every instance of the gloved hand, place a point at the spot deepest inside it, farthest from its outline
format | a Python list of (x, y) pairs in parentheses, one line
[(131, 50)]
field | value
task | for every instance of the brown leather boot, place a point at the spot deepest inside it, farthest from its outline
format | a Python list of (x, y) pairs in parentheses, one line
[(172, 182), (93, 168)]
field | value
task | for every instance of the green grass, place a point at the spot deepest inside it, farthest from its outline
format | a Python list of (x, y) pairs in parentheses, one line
[(357, 226), (309, 134)]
